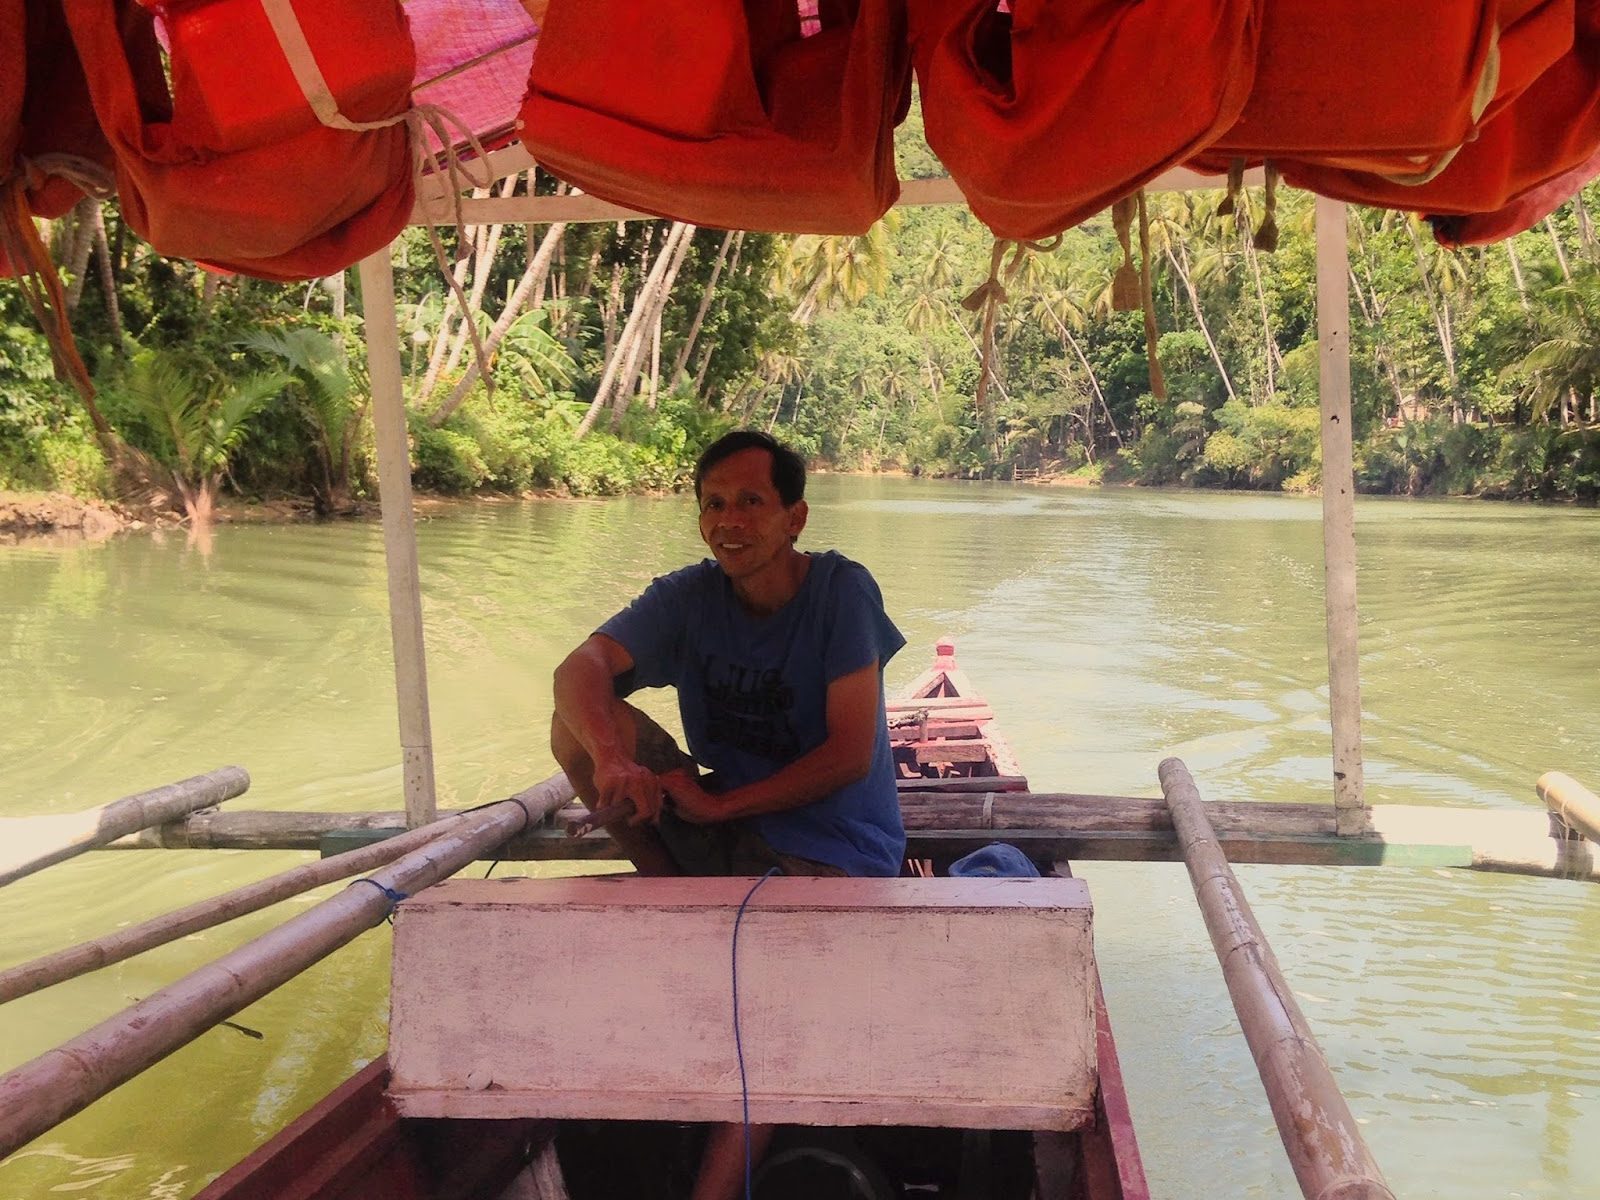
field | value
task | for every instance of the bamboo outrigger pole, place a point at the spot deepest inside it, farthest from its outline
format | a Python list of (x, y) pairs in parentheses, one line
[(1325, 1146), (1573, 805), (1339, 514), (30, 977), (34, 843), (399, 535), (39, 1095)]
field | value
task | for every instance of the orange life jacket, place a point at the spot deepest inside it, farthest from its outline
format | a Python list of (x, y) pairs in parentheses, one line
[(740, 114), (1552, 129), (45, 114), (233, 167), (1524, 213), (1045, 112), (13, 75), (1389, 88)]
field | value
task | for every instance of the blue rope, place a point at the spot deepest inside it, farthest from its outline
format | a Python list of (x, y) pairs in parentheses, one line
[(738, 1041), (394, 896), (527, 816)]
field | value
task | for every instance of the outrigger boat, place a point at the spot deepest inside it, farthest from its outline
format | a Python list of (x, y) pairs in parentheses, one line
[(358, 1143), (302, 154)]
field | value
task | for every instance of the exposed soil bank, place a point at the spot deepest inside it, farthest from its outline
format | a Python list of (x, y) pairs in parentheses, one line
[(57, 517)]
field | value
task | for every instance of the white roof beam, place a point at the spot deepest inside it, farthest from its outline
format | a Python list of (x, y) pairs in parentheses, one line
[(433, 205)]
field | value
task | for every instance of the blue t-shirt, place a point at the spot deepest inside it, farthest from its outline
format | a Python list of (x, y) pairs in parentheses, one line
[(753, 695)]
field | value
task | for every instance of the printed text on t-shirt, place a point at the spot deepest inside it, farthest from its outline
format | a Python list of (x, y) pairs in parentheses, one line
[(749, 709)]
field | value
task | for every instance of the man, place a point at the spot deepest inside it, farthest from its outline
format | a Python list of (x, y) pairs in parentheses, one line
[(777, 657)]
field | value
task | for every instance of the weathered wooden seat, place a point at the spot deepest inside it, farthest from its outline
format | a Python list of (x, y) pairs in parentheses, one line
[(951, 1002)]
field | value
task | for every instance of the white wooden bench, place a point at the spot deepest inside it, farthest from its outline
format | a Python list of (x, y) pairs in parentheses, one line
[(949, 1002)]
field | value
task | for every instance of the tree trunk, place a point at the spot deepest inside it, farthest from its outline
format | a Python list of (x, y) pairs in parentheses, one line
[(1441, 320), (658, 288), (744, 389), (532, 281), (687, 348), (708, 350), (1376, 316), (441, 337), (108, 279), (482, 268), (1182, 270), (777, 409), (1516, 273), (623, 348), (977, 350), (609, 312), (807, 308), (1088, 370), (1273, 354), (1158, 381), (1586, 237), (199, 497), (79, 247), (1561, 253), (1456, 413), (655, 364)]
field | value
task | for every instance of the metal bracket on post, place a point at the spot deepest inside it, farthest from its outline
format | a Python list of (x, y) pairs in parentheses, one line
[(399, 535), (1351, 814)]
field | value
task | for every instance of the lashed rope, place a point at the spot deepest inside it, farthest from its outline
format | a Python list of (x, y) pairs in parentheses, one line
[(36, 274), (1266, 238), (1230, 202), (1125, 283)]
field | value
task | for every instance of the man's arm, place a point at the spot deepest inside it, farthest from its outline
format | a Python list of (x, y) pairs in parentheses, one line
[(585, 697), (844, 757)]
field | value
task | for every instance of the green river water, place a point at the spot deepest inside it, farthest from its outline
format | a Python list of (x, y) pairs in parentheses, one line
[(1108, 628)]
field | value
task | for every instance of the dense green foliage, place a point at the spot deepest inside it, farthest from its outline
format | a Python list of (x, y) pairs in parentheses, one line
[(618, 351), (1473, 372)]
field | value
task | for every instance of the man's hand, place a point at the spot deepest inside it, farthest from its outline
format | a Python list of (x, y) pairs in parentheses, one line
[(623, 781), (691, 801)]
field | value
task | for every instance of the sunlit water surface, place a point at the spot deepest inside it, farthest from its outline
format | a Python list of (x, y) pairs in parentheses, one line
[(1109, 629)]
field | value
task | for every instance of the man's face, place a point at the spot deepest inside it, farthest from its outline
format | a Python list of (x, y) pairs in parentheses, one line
[(742, 518)]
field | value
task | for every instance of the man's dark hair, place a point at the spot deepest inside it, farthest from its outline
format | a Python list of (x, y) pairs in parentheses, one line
[(788, 468)]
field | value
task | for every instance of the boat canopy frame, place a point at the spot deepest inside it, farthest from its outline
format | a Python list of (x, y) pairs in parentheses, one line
[(435, 206)]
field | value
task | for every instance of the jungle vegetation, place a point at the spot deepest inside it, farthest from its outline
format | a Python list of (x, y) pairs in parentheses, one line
[(616, 351)]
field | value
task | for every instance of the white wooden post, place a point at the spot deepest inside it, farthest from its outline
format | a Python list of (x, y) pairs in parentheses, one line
[(1338, 514), (399, 535)]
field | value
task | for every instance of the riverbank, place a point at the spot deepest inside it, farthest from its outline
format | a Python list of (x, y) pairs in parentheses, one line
[(64, 519), (55, 516), (1552, 465)]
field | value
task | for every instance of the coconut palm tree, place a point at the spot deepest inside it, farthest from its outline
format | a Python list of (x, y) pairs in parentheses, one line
[(1175, 223), (1566, 361), (823, 272), (1059, 303), (1444, 280)]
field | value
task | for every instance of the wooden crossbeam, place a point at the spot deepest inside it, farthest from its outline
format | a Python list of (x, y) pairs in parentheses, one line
[(1065, 825), (434, 208), (950, 751)]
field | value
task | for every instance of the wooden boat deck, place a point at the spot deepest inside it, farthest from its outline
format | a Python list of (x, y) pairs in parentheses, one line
[(943, 737)]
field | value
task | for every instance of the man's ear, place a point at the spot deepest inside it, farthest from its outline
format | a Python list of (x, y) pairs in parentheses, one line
[(798, 511)]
